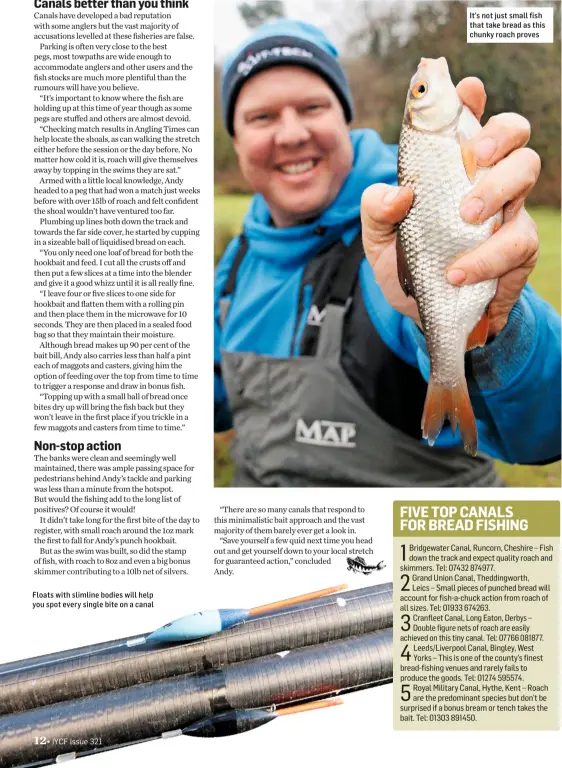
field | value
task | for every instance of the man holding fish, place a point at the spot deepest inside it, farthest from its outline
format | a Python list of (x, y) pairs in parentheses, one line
[(322, 357)]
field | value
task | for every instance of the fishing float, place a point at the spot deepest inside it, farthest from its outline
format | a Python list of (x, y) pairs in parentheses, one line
[(242, 720), (95, 669), (197, 625), (166, 708)]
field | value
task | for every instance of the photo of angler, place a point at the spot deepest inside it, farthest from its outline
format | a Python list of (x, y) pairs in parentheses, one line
[(379, 321)]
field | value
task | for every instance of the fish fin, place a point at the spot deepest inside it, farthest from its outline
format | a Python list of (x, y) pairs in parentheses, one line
[(468, 157), (404, 276), (467, 128), (454, 403), (479, 334), (361, 560)]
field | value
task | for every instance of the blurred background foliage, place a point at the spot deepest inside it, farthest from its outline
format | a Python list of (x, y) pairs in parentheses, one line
[(384, 44)]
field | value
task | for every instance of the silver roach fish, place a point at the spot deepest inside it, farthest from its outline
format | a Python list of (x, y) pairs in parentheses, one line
[(435, 161)]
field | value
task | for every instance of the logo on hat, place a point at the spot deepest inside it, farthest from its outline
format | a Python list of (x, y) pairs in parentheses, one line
[(253, 59)]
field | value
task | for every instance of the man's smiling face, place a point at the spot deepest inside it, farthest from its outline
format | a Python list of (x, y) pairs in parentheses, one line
[(292, 142)]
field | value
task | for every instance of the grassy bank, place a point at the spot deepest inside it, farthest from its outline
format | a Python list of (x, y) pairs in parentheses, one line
[(229, 212)]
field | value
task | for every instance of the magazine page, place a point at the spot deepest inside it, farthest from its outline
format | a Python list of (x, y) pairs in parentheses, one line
[(355, 209)]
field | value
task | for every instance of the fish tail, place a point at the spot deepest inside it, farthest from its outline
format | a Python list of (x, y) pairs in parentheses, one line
[(452, 403)]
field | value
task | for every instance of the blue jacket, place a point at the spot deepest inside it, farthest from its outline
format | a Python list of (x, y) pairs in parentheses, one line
[(515, 379)]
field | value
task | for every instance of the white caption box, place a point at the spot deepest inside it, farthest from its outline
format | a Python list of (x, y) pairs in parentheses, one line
[(509, 25)]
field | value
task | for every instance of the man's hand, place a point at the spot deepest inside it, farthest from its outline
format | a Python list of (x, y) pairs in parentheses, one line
[(509, 255)]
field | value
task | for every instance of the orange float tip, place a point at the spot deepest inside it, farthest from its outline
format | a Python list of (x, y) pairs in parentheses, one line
[(310, 705), (299, 599)]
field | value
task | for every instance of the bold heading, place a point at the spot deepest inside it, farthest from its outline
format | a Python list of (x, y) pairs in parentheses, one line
[(465, 517), (140, 5), (39, 445)]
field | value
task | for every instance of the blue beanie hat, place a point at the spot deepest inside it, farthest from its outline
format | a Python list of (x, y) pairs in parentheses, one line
[(283, 42)]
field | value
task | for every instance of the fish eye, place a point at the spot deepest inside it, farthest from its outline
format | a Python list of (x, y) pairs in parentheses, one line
[(419, 89)]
